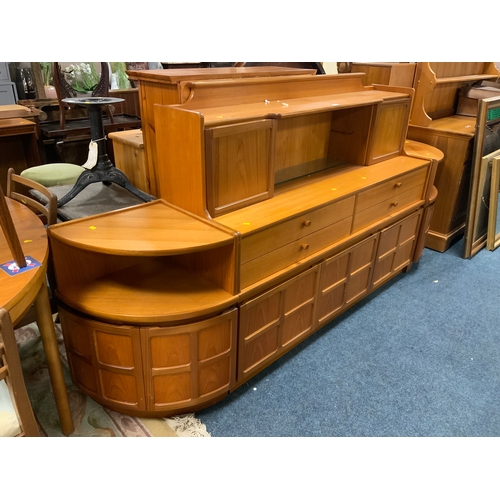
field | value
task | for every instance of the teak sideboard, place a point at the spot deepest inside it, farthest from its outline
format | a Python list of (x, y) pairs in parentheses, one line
[(283, 203)]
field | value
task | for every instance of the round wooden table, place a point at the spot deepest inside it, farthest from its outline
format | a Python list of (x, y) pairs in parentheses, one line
[(19, 292)]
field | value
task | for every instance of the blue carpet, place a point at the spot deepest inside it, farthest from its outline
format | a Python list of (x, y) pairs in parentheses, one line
[(418, 357)]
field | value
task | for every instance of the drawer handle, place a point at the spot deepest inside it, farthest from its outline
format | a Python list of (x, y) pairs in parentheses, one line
[(398, 184), (304, 246), (306, 223), (394, 204)]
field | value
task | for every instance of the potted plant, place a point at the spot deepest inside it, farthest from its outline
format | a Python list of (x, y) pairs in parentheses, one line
[(50, 90)]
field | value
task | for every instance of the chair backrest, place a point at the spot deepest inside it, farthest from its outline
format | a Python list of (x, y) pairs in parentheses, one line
[(11, 372), (17, 186), (10, 232), (64, 90)]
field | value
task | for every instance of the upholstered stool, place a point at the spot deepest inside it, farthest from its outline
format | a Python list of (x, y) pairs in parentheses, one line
[(54, 174)]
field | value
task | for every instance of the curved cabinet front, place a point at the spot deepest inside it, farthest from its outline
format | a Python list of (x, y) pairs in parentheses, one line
[(152, 371)]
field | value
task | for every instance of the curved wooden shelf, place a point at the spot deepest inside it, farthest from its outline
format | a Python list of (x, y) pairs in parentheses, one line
[(153, 292), (153, 229)]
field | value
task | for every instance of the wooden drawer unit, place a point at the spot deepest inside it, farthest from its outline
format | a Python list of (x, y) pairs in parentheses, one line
[(257, 244), (345, 278), (389, 197), (295, 251), (274, 322)]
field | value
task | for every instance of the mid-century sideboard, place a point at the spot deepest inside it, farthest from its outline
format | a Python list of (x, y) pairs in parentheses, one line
[(283, 202)]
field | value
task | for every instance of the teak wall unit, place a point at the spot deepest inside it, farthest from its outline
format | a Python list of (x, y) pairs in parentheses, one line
[(433, 121), (168, 306), (168, 86)]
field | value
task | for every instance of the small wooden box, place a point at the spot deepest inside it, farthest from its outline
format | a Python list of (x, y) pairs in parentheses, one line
[(128, 149), (468, 98)]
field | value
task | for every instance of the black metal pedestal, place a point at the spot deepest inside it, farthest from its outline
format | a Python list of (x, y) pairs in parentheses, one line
[(104, 171)]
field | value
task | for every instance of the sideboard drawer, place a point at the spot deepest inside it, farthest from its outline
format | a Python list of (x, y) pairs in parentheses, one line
[(272, 238), (393, 187), (386, 208), (295, 251)]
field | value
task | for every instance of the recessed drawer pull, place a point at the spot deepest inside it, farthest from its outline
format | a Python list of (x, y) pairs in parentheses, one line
[(398, 184), (394, 204), (306, 223), (304, 246)]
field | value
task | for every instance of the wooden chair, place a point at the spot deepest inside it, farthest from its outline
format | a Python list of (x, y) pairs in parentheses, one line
[(10, 364), (11, 372), (18, 189)]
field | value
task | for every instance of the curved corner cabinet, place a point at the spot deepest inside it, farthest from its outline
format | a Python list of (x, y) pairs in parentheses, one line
[(270, 225)]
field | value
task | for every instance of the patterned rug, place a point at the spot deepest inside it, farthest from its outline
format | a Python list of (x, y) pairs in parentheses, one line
[(90, 418)]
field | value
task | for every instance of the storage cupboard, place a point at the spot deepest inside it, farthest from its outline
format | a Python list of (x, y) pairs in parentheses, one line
[(168, 86), (284, 201)]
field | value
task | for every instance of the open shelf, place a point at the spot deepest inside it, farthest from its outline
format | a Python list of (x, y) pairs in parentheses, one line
[(155, 291)]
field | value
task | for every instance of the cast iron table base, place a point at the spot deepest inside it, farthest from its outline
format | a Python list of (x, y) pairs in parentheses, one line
[(104, 171)]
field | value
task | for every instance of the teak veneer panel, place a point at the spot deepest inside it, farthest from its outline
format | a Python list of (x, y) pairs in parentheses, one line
[(155, 228)]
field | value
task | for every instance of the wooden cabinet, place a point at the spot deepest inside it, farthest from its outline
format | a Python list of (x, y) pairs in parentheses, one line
[(387, 73), (146, 370), (284, 202), (170, 86), (434, 121), (18, 145)]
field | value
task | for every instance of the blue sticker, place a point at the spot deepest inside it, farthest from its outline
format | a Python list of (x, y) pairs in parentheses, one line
[(12, 269)]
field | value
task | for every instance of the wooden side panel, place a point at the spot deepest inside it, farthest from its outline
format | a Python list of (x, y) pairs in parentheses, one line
[(349, 134), (274, 322), (345, 278), (191, 364), (151, 93), (396, 248), (105, 361), (181, 170), (389, 131)]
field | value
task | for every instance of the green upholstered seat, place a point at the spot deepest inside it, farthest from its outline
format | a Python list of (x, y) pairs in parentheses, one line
[(54, 174)]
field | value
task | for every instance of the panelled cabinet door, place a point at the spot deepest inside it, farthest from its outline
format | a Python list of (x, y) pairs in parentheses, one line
[(396, 248), (105, 361), (345, 279), (239, 165), (389, 130), (274, 322), (191, 364)]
